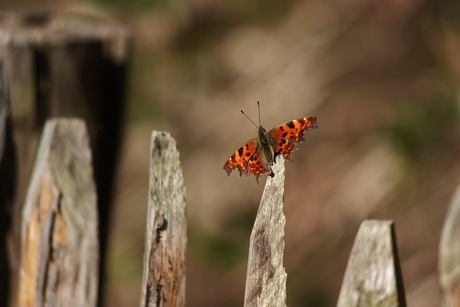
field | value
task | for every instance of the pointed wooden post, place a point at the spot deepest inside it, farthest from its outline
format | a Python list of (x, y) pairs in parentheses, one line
[(373, 276), (166, 239), (449, 255), (59, 246), (63, 64), (266, 276)]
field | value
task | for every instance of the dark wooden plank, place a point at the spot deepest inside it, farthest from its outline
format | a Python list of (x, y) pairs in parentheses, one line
[(59, 243), (64, 64), (449, 255), (7, 186), (266, 276), (166, 235), (373, 276)]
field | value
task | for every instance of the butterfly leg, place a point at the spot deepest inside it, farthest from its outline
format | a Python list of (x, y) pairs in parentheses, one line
[(272, 174), (276, 154)]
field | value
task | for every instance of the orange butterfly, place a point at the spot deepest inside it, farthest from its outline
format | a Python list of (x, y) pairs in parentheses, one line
[(258, 155)]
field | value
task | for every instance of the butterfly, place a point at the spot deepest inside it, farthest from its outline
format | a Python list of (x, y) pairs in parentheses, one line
[(258, 155)]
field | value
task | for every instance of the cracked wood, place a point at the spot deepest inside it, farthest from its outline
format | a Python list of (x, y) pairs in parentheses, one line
[(165, 244), (59, 244)]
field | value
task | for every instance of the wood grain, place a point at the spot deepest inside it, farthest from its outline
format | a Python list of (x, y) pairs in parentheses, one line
[(63, 64), (166, 235), (373, 275), (59, 245), (266, 276)]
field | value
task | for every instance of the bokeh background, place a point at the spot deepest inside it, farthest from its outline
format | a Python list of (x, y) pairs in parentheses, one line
[(383, 78)]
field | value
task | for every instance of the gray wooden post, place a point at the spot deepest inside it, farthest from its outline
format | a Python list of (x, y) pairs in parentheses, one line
[(63, 64), (449, 255), (266, 276), (166, 235), (59, 243), (373, 276)]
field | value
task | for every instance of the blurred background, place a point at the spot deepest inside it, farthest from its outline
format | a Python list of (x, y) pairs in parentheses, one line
[(383, 78)]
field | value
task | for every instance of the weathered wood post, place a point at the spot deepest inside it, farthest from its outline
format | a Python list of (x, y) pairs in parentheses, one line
[(59, 243), (449, 255), (63, 65), (166, 235), (373, 276), (7, 186), (266, 276)]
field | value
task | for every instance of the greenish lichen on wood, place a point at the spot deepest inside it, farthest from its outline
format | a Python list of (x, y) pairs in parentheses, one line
[(266, 276), (166, 238), (373, 275), (59, 246), (449, 254)]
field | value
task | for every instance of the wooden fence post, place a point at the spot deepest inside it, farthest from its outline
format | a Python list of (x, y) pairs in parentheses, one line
[(7, 186), (64, 64), (266, 276), (373, 276), (449, 255), (59, 243), (166, 239)]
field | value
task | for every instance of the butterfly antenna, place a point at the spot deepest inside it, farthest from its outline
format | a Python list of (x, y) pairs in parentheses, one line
[(249, 119), (258, 107)]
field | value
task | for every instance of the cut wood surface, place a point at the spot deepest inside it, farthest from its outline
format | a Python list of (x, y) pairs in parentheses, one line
[(266, 276), (373, 275), (59, 246), (166, 235), (449, 255)]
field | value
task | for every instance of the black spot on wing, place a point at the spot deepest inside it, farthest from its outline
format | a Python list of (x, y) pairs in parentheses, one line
[(282, 142), (291, 124)]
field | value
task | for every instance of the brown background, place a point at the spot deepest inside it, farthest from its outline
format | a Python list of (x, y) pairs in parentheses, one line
[(381, 76)]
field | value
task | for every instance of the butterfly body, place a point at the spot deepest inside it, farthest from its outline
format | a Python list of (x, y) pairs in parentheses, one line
[(265, 144), (258, 155)]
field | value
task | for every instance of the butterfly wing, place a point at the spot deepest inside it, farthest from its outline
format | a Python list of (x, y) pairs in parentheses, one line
[(247, 160), (287, 136)]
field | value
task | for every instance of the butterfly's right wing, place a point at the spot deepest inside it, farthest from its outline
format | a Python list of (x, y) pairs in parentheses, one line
[(288, 135)]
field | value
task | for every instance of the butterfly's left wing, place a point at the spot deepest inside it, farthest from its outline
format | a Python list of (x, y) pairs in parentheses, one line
[(240, 158), (247, 160), (288, 135)]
